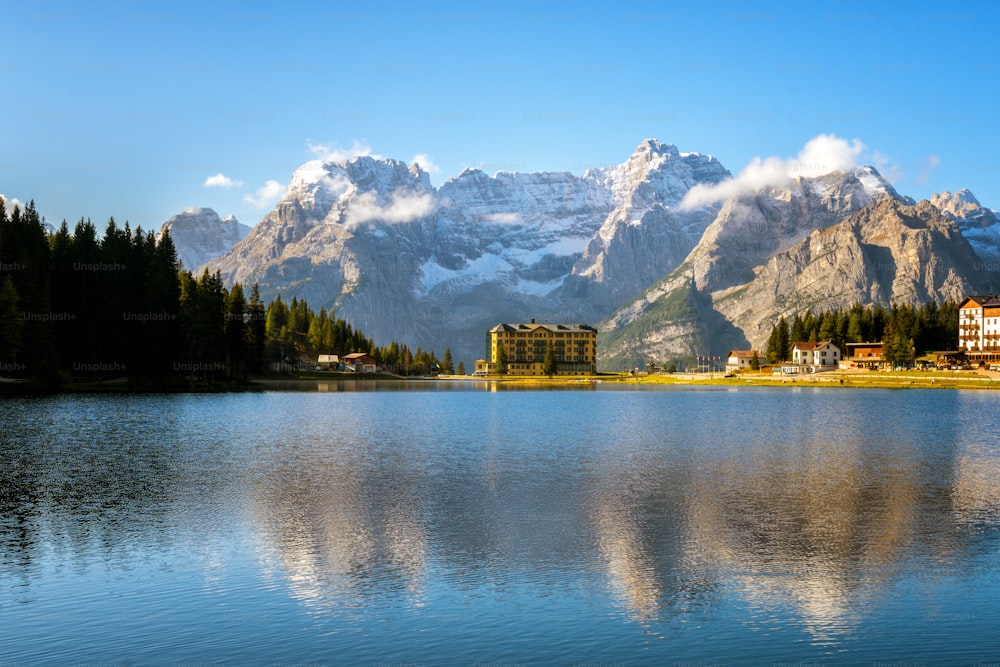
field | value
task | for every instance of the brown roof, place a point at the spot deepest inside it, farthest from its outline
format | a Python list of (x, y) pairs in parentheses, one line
[(980, 300), (745, 354), (808, 347), (504, 326)]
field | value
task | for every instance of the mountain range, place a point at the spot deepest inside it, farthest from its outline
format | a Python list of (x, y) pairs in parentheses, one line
[(620, 247)]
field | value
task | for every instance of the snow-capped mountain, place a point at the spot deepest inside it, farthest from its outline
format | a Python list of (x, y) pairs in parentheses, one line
[(401, 260), (980, 225), (373, 240), (199, 235)]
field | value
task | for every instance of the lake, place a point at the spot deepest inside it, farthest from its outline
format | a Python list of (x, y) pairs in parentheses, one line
[(469, 524)]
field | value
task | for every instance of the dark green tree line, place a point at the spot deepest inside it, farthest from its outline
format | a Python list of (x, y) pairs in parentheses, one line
[(905, 331), (80, 304)]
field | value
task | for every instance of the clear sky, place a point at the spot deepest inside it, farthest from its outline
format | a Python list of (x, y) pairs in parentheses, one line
[(131, 108)]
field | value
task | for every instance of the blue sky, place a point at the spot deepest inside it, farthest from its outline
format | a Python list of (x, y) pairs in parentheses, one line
[(128, 109)]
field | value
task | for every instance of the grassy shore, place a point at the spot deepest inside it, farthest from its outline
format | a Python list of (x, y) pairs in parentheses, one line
[(886, 380), (307, 381)]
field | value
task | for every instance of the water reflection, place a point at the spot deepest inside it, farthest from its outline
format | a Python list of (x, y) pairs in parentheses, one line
[(660, 506), (343, 529), (814, 520), (816, 527)]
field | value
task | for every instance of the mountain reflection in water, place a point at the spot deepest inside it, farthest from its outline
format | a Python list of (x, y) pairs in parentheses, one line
[(736, 512)]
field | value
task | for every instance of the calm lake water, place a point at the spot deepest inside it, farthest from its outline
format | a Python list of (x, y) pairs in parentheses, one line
[(455, 525)]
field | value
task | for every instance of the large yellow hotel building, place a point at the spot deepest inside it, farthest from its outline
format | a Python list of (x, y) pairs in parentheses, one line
[(524, 345)]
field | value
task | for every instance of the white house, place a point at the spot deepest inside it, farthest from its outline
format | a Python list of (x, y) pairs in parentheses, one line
[(740, 360), (822, 356)]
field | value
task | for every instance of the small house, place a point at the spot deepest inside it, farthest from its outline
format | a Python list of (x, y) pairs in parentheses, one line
[(360, 362), (821, 356), (864, 355), (741, 360)]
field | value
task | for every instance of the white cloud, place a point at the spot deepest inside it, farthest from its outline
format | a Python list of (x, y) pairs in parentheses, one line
[(404, 206), (330, 153), (10, 203), (506, 218), (821, 155), (426, 163), (221, 181), (267, 195)]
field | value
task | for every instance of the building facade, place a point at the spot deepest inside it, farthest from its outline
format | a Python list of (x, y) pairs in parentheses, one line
[(522, 349), (359, 362), (979, 328), (741, 360), (822, 356), (865, 355)]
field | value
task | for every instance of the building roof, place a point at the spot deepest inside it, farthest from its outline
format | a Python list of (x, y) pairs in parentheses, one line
[(877, 343), (808, 347), (354, 356), (980, 300), (508, 327), (745, 354)]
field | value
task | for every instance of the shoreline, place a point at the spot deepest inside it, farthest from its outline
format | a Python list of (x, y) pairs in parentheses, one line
[(981, 380)]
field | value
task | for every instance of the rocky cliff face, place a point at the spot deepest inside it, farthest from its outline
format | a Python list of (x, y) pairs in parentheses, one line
[(886, 252), (646, 235), (199, 235), (745, 233)]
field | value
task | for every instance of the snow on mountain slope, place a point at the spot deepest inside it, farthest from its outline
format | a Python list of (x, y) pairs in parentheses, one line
[(372, 239)]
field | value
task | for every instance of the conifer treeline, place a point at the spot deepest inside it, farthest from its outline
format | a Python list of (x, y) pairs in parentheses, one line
[(74, 303), (904, 331)]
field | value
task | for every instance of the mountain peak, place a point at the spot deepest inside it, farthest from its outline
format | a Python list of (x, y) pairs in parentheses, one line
[(195, 212), (654, 147), (959, 204), (199, 235)]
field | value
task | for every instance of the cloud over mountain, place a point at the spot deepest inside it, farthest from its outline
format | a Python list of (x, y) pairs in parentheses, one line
[(403, 206), (822, 154)]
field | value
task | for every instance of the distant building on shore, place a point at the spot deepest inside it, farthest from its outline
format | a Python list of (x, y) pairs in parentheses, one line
[(741, 360), (979, 329), (865, 355), (521, 348), (359, 362), (821, 356)]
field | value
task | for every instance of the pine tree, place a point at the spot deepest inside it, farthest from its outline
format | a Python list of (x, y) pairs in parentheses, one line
[(447, 365), (784, 344), (461, 368), (11, 322), (773, 350), (549, 365), (754, 362), (256, 332), (798, 333), (235, 328), (855, 333), (501, 360)]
